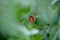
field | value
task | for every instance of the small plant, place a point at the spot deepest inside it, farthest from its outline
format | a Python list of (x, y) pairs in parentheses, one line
[(29, 19)]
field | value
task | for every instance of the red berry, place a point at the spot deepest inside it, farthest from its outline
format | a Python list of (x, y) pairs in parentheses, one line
[(31, 18)]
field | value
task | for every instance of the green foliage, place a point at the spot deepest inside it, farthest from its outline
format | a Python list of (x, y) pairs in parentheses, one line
[(14, 19)]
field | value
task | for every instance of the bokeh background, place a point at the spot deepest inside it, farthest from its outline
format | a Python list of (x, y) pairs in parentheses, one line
[(29, 19)]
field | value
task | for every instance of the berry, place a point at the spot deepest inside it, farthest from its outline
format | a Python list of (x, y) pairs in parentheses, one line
[(31, 18)]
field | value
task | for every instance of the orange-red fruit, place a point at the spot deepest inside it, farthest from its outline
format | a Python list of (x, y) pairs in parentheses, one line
[(31, 18)]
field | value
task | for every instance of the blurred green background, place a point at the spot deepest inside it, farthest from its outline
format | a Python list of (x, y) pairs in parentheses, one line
[(15, 23)]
